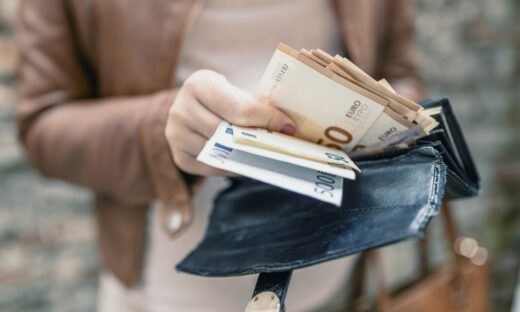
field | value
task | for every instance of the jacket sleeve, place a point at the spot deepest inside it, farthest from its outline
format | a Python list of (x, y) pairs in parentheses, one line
[(111, 145), (398, 54)]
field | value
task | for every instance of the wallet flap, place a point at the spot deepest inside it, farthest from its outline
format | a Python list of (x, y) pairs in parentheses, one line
[(463, 178), (255, 227)]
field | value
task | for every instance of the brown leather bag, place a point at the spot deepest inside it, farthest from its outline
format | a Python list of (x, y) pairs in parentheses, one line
[(456, 287)]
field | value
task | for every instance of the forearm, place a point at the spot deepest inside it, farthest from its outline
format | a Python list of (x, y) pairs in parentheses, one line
[(398, 55), (100, 144)]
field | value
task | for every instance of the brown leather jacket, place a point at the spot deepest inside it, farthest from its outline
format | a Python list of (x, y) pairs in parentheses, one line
[(95, 88)]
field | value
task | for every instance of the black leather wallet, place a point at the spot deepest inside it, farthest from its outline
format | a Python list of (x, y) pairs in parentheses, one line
[(256, 228)]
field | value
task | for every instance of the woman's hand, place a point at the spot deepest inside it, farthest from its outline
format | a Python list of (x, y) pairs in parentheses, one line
[(205, 99)]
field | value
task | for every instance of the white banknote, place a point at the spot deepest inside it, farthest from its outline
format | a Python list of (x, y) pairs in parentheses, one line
[(292, 146), (328, 167), (221, 152)]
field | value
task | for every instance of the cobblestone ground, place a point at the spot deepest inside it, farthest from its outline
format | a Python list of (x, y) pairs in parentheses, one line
[(469, 52)]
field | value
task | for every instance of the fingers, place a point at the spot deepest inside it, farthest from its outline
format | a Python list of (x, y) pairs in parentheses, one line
[(235, 105), (187, 111), (202, 120), (185, 150), (187, 119), (203, 101), (187, 140)]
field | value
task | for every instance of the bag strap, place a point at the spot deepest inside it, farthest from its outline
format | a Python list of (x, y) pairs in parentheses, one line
[(424, 253), (372, 259), (457, 259), (451, 233)]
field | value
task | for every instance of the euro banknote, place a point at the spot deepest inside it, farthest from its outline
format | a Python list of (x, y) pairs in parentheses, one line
[(221, 152)]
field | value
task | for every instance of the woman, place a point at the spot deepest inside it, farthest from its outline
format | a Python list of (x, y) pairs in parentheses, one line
[(119, 96)]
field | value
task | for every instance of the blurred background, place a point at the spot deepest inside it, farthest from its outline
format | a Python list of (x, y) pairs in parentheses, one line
[(469, 51)]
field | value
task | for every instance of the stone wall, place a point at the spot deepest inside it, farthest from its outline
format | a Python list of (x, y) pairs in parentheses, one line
[(48, 259), (469, 51)]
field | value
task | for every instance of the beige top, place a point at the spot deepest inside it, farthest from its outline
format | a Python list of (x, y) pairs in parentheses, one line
[(237, 39)]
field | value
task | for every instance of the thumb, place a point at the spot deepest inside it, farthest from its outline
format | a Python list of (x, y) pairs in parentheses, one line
[(270, 117), (242, 109)]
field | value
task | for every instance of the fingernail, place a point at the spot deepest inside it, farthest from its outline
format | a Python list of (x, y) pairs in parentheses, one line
[(288, 129)]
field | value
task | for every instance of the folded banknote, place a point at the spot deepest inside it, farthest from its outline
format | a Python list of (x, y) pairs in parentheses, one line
[(301, 176)]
